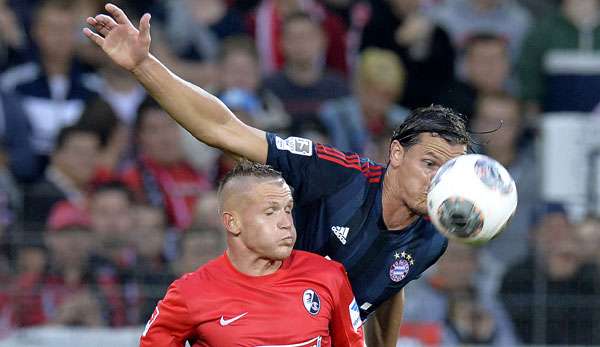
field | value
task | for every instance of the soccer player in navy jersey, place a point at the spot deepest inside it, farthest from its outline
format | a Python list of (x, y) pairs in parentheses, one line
[(369, 217)]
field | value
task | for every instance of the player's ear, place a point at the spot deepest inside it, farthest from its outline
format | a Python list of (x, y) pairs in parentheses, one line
[(396, 153), (231, 223)]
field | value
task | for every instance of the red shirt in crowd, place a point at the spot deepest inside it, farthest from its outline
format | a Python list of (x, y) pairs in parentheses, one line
[(178, 185), (307, 302)]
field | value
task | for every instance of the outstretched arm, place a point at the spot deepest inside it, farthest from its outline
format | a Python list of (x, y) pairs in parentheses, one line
[(201, 113)]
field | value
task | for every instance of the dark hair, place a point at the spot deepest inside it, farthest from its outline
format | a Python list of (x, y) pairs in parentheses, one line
[(443, 121), (65, 133), (246, 168), (148, 104), (99, 116), (64, 5)]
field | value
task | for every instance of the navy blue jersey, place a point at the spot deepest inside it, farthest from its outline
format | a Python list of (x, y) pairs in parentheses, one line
[(338, 213)]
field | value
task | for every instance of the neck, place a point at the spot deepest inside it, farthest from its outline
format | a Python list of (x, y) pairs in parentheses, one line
[(396, 214), (252, 264), (56, 67), (303, 75)]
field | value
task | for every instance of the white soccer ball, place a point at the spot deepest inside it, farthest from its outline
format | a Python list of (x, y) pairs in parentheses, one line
[(472, 198)]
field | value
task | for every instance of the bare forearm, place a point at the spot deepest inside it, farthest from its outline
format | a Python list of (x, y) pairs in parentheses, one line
[(382, 328), (201, 113)]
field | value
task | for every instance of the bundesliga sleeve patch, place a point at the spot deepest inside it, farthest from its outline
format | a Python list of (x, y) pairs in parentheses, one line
[(355, 315), (295, 145)]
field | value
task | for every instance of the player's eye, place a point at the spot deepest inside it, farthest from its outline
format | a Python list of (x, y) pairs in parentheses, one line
[(428, 162), (269, 212)]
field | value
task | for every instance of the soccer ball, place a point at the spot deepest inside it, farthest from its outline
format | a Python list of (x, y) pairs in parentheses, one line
[(471, 198)]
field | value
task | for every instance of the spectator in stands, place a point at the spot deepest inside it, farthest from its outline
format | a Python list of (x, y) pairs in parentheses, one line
[(13, 41), (303, 84), (423, 46), (69, 175), (15, 132), (206, 215), (114, 137), (111, 215), (356, 123), (469, 322), (268, 25), (116, 87), (242, 87), (554, 70), (196, 28), (151, 273), (505, 18), (161, 176), (69, 290), (113, 254), (506, 144), (487, 70), (588, 235), (455, 285), (551, 296), (197, 247), (52, 88)]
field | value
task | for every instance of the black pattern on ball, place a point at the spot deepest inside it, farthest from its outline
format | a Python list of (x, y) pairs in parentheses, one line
[(460, 217)]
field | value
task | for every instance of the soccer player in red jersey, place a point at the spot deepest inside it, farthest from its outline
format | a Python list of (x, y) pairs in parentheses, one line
[(260, 292), (370, 217)]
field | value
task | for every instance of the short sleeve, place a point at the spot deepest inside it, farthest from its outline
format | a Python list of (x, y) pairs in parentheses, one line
[(170, 323), (315, 170), (346, 324)]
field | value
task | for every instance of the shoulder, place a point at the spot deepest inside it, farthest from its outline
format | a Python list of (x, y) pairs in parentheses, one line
[(19, 75), (202, 276), (317, 264)]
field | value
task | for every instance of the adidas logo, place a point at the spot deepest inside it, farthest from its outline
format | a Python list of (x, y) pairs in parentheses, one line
[(341, 233)]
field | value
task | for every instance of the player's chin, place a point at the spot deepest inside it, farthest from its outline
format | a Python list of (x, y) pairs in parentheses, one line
[(283, 252)]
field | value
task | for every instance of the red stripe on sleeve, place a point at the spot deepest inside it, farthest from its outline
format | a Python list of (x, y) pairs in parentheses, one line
[(338, 161)]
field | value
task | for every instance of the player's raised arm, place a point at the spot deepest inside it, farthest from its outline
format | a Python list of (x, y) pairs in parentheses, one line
[(201, 113)]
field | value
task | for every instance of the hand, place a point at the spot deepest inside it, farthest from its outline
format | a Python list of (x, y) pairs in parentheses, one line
[(120, 40)]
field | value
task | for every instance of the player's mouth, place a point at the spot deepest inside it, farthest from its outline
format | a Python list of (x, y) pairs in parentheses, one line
[(287, 241)]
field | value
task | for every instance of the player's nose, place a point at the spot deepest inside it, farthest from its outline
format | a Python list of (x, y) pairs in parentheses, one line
[(286, 221)]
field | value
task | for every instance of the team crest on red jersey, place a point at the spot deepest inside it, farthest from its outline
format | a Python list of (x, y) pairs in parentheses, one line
[(311, 301)]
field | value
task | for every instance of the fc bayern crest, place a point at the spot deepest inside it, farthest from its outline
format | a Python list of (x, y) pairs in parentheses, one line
[(311, 301), (399, 270)]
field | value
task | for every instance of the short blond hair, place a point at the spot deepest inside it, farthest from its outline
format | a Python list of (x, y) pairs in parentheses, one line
[(383, 68)]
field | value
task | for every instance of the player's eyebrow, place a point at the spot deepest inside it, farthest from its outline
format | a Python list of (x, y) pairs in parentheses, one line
[(434, 155)]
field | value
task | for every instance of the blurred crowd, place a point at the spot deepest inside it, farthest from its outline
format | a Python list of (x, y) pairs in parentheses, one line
[(104, 200)]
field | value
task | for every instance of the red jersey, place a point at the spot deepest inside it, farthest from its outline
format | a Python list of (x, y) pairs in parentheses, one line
[(307, 302)]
